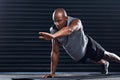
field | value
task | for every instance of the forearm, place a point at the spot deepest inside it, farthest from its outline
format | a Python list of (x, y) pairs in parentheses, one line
[(54, 62), (63, 32)]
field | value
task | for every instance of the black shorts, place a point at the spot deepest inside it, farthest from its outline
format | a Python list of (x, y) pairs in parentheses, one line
[(94, 51)]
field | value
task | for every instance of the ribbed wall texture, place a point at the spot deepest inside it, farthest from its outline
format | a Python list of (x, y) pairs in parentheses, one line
[(21, 20)]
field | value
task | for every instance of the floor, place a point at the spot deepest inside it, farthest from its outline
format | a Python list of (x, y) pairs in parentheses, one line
[(59, 76)]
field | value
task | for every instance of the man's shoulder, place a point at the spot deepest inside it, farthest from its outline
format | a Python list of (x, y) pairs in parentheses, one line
[(53, 29), (73, 17), (70, 19)]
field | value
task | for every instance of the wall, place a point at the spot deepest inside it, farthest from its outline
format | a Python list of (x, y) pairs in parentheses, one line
[(21, 20)]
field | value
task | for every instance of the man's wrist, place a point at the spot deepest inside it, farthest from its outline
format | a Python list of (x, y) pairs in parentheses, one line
[(52, 72), (53, 36)]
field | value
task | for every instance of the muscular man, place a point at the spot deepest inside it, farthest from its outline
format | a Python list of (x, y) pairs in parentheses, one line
[(68, 32)]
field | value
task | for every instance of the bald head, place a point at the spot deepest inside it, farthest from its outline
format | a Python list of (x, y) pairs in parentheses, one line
[(60, 18), (60, 12)]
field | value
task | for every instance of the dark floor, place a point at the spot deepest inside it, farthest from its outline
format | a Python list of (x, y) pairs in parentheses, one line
[(59, 76)]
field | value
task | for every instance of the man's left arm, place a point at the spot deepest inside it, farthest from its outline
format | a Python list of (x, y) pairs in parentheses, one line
[(74, 26)]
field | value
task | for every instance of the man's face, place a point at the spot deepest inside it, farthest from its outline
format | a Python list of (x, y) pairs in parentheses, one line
[(60, 21)]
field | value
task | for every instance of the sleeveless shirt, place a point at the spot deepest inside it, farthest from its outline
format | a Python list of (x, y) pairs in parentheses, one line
[(74, 44)]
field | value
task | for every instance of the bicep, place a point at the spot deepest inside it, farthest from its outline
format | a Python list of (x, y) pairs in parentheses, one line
[(75, 25)]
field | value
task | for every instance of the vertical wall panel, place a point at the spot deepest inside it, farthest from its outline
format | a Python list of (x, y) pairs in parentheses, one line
[(21, 20)]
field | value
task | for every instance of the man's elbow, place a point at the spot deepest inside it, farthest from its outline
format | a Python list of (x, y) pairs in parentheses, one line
[(70, 31)]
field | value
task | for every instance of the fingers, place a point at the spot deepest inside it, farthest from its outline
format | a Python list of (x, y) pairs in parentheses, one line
[(41, 37), (45, 35), (48, 76), (42, 33), (45, 76)]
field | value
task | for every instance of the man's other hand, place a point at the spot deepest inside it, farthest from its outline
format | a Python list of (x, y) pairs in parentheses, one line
[(49, 76), (46, 36)]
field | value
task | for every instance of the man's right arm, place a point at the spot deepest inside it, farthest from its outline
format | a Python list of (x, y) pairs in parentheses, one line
[(54, 55), (54, 58)]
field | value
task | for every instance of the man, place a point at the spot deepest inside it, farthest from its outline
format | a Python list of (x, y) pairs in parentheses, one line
[(68, 32)]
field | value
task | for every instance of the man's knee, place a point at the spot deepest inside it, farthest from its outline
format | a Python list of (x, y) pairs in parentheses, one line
[(106, 55)]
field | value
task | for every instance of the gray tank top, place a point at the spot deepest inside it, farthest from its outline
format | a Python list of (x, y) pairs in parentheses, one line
[(74, 44)]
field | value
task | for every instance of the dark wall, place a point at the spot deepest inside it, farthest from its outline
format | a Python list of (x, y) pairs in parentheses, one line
[(21, 20)]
